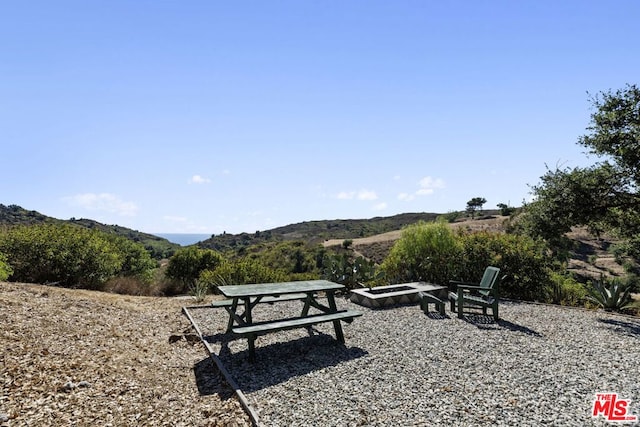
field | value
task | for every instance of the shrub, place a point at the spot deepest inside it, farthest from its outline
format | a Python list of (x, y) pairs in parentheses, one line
[(525, 263), (186, 265), (565, 290), (64, 254), (5, 268), (137, 261), (240, 272), (429, 252), (297, 258)]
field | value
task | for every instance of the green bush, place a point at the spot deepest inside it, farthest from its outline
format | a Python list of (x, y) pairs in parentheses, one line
[(565, 290), (240, 272), (430, 252), (297, 258), (186, 265), (434, 253), (525, 263), (5, 268), (63, 254), (137, 261)]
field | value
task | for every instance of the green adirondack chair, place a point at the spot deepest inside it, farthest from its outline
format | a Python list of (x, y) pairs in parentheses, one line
[(483, 294)]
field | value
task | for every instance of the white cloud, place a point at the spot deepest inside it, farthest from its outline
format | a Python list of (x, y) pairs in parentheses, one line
[(360, 195), (428, 186), (428, 183), (380, 206), (104, 202), (197, 179), (425, 192), (345, 195), (367, 195), (406, 197)]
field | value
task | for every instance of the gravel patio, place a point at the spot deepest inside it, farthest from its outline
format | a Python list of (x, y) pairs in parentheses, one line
[(539, 365)]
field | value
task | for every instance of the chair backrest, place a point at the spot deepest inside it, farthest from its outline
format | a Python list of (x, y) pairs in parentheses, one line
[(489, 279)]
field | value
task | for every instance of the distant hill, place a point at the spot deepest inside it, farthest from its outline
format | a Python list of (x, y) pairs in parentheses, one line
[(312, 232), (158, 247), (319, 231)]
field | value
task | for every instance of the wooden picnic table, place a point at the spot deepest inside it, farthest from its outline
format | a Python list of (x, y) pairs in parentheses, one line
[(243, 298)]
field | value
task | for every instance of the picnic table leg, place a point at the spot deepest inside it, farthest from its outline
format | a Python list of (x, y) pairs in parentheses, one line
[(251, 338), (232, 312), (336, 323)]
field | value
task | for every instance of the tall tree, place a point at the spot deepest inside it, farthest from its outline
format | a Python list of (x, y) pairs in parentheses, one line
[(475, 204), (605, 196)]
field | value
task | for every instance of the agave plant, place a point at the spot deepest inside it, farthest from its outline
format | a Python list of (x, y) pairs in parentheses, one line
[(612, 296)]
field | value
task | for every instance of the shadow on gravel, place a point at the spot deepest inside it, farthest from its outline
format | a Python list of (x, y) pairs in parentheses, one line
[(210, 381), (279, 362), (622, 327), (488, 322)]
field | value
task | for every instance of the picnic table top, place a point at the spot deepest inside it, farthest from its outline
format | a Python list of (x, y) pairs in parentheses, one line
[(281, 288)]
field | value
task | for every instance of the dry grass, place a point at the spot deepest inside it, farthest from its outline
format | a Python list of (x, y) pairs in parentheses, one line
[(75, 357)]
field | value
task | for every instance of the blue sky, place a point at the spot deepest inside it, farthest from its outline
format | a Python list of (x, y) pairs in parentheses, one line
[(238, 116)]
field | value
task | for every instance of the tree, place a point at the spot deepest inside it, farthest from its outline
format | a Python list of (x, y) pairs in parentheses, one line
[(187, 264), (606, 195), (505, 209), (475, 204)]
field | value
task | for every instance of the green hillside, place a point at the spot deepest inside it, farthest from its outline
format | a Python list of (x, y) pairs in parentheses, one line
[(158, 247)]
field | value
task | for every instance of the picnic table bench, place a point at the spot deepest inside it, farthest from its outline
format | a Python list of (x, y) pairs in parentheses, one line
[(241, 300)]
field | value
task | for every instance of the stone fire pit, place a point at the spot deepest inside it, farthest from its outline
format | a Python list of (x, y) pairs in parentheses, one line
[(402, 293)]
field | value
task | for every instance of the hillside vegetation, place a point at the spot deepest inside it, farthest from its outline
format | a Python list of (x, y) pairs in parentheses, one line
[(158, 247)]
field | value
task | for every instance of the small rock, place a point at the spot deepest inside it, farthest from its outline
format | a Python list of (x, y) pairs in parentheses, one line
[(84, 384), (4, 418)]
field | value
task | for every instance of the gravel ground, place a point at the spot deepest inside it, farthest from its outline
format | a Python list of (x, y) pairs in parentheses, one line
[(539, 365)]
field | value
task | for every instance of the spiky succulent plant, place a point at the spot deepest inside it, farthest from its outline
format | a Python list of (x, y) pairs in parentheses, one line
[(611, 295)]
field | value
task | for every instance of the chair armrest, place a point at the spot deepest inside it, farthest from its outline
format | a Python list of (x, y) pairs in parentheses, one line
[(473, 287), (490, 291), (458, 282), (454, 284)]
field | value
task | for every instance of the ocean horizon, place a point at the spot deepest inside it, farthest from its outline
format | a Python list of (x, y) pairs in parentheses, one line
[(183, 239)]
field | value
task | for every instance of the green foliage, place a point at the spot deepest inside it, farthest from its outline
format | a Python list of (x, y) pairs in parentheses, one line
[(434, 253), (299, 260), (5, 268), (474, 205), (241, 272), (569, 197), (65, 254), (615, 129), (200, 290), (523, 260), (342, 269), (186, 265), (158, 247), (506, 210), (565, 290), (451, 216), (137, 260), (604, 196), (611, 295), (427, 252)]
